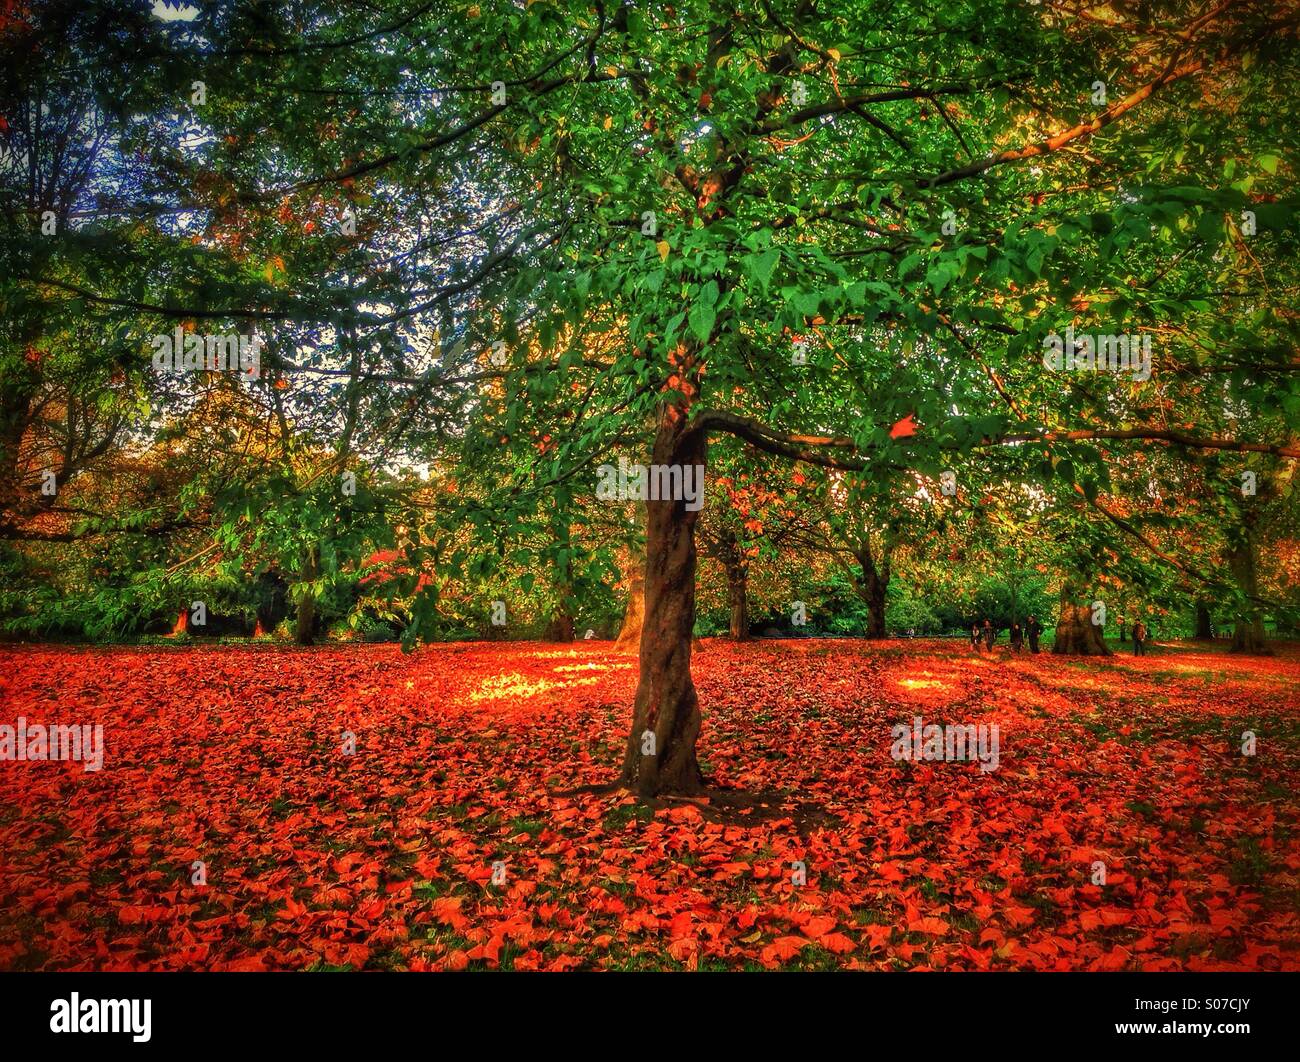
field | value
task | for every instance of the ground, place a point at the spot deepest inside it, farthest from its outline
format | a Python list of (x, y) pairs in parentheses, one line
[(234, 756)]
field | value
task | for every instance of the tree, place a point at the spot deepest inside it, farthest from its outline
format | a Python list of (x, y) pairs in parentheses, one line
[(851, 254)]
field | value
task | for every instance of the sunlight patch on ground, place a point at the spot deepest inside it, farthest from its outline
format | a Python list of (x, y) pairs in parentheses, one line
[(516, 686), (922, 684)]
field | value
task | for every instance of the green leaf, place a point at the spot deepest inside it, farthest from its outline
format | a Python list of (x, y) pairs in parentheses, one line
[(760, 266), (701, 321)]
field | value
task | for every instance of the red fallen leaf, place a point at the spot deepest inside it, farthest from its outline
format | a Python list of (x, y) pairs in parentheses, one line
[(1116, 959), (892, 872), (446, 909), (489, 950), (783, 949), (428, 867), (456, 961), (292, 909), (331, 896), (370, 911), (344, 864), (683, 948), (878, 936), (905, 427), (1104, 916), (936, 927), (248, 964), (347, 954), (838, 943), (818, 926)]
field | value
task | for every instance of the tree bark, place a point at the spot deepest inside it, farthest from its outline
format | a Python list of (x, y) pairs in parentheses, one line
[(629, 635), (1248, 625), (1076, 634), (873, 588), (1204, 627), (663, 761), (560, 629), (738, 596), (14, 405), (271, 606), (305, 621)]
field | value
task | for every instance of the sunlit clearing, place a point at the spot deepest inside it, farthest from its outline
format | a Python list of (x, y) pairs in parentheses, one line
[(514, 686)]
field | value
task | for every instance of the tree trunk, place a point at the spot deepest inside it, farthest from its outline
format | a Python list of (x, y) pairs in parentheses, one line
[(1204, 628), (629, 635), (1248, 626), (14, 405), (271, 606), (560, 629), (305, 622), (1248, 637), (872, 589), (663, 761), (1076, 634), (738, 595)]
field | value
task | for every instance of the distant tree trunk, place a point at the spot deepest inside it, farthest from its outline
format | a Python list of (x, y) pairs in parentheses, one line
[(629, 635), (271, 607), (663, 761), (1204, 627), (1248, 637), (182, 622), (738, 596), (22, 383), (1076, 634), (725, 548), (1248, 626), (15, 401), (305, 622), (873, 588), (560, 629)]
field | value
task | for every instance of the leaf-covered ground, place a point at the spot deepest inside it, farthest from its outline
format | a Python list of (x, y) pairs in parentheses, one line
[(383, 859)]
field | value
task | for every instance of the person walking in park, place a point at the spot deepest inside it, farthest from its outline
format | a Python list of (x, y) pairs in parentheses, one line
[(990, 635), (1139, 639), (1034, 629), (1017, 638), (975, 636)]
